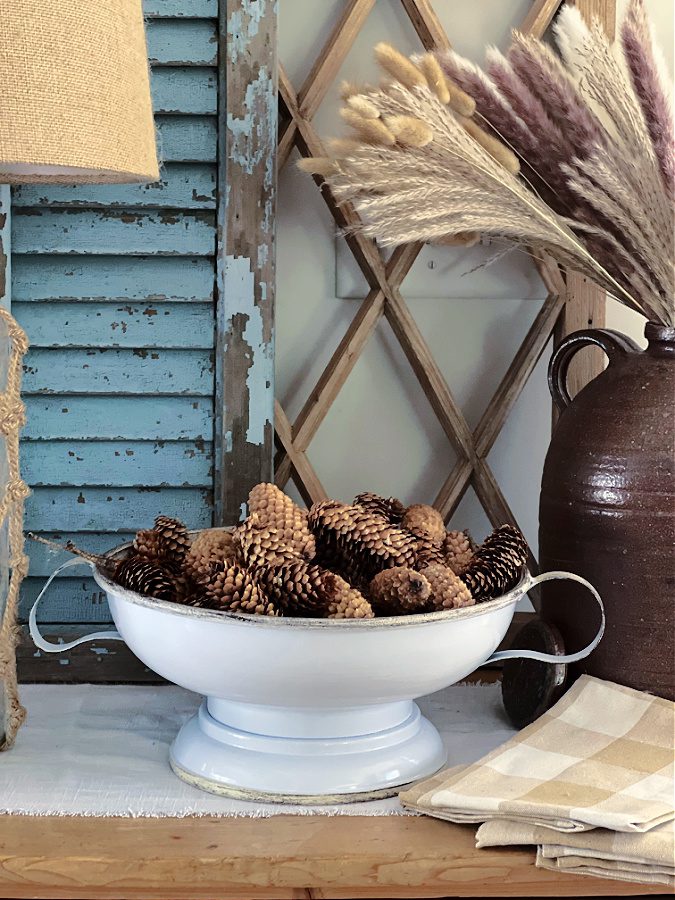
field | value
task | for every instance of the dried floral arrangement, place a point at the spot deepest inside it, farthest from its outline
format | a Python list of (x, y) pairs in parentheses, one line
[(569, 156), (336, 561)]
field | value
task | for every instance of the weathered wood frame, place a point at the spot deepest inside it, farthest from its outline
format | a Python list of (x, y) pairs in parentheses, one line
[(247, 137)]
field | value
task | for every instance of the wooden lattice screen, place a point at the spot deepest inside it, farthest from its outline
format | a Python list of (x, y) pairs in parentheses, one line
[(570, 304)]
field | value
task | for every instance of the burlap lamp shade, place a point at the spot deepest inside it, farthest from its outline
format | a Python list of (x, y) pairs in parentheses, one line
[(75, 101)]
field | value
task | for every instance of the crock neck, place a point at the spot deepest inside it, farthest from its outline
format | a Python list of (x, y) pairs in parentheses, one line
[(661, 339)]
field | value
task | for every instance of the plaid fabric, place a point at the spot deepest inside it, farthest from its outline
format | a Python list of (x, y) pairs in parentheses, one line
[(602, 757), (648, 858)]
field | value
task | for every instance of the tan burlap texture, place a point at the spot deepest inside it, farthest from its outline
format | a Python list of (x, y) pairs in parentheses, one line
[(75, 93), (13, 560)]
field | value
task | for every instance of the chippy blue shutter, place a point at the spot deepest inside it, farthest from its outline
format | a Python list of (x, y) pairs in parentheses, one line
[(114, 286)]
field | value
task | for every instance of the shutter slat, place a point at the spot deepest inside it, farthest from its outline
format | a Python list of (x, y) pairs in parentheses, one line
[(149, 325), (118, 418)]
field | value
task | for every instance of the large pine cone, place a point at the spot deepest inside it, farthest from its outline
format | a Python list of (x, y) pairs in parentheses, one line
[(400, 590), (232, 588), (262, 546), (276, 510), (357, 543), (458, 549), (143, 577), (497, 565), (425, 522), (389, 508), (298, 589), (173, 538), (348, 603), (212, 545), (147, 545), (448, 591)]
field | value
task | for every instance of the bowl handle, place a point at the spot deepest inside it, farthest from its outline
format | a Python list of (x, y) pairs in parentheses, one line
[(34, 629), (549, 657)]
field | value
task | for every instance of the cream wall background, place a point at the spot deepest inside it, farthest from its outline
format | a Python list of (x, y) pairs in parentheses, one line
[(381, 434)]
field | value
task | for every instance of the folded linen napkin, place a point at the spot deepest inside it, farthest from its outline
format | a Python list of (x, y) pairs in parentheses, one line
[(647, 858), (602, 757)]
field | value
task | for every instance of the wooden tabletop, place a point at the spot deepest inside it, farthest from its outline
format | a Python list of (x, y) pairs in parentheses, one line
[(280, 857)]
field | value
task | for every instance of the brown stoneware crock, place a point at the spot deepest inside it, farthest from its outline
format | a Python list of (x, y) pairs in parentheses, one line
[(607, 508)]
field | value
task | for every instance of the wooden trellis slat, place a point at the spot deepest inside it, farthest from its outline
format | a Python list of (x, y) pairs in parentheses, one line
[(384, 299), (427, 24), (539, 17)]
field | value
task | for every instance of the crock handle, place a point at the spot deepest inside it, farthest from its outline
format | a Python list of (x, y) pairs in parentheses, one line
[(34, 629), (613, 343), (551, 657)]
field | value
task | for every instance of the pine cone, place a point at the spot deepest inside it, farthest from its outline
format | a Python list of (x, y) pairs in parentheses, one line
[(497, 565), (400, 590), (347, 602), (458, 550), (357, 543), (262, 546), (276, 510), (388, 507), (425, 523), (212, 545), (299, 589), (143, 577), (427, 554), (448, 591), (231, 588), (174, 539), (147, 545)]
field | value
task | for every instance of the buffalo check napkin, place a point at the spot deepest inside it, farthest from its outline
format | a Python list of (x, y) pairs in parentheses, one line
[(648, 858), (602, 757)]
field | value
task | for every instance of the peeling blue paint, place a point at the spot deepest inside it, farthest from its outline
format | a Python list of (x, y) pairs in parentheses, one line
[(260, 394)]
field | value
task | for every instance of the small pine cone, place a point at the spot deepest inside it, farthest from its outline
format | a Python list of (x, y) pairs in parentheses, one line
[(428, 553), (143, 577), (400, 590), (174, 539), (262, 546), (347, 602), (212, 545), (358, 543), (231, 588), (458, 550), (425, 523), (389, 507), (276, 510), (147, 545), (448, 591), (298, 589), (497, 565)]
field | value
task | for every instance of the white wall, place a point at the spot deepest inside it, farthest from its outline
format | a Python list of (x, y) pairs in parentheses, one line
[(381, 434)]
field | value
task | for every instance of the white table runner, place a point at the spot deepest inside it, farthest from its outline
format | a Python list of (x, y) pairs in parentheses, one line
[(100, 750)]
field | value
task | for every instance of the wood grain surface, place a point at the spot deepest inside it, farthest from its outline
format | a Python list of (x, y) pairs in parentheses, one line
[(279, 857)]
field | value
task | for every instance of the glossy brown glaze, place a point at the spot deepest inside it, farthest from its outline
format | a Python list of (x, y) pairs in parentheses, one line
[(607, 509)]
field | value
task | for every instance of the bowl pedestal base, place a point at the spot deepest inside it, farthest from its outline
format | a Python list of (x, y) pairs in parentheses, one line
[(300, 755)]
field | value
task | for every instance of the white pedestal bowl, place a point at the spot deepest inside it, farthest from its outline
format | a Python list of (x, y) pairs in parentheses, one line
[(308, 710)]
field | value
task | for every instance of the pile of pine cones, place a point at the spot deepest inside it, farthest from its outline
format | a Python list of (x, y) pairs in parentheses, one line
[(337, 561)]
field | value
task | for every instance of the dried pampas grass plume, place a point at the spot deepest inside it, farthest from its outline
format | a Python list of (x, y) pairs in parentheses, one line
[(318, 165), (399, 66), (437, 153), (371, 131), (362, 106), (435, 77), (409, 130), (494, 147)]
